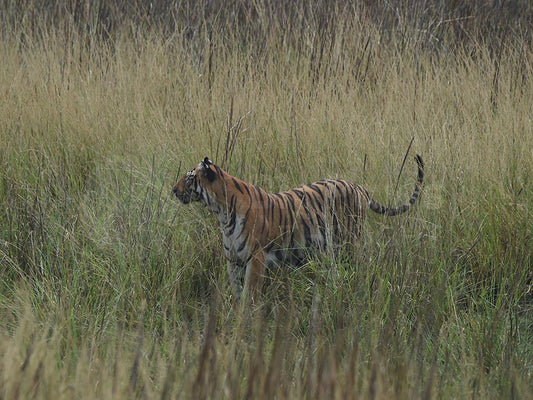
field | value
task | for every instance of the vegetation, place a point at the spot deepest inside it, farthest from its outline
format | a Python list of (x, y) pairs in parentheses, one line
[(109, 289)]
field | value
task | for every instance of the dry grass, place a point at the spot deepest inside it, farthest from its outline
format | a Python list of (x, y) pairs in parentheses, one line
[(110, 290)]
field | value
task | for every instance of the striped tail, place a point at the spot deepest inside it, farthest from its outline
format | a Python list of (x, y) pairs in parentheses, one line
[(375, 206)]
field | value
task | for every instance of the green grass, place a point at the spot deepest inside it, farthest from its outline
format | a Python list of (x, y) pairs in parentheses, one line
[(110, 289)]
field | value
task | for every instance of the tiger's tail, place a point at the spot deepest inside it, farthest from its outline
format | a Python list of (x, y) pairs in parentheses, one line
[(391, 211)]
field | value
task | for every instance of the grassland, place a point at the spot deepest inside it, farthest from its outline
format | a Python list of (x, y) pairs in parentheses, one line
[(109, 289)]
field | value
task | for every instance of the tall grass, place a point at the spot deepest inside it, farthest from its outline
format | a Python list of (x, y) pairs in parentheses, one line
[(109, 289)]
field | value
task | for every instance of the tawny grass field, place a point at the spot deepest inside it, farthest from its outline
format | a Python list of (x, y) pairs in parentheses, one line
[(109, 289)]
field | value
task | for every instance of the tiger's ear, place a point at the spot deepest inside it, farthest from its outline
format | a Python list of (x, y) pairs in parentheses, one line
[(207, 171), (206, 163)]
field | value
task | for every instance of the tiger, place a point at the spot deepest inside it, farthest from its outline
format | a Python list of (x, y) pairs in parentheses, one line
[(262, 230)]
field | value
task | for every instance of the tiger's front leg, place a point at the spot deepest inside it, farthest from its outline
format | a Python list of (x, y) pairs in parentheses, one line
[(236, 275), (253, 280)]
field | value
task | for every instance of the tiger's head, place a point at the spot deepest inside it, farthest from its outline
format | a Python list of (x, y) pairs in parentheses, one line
[(203, 183)]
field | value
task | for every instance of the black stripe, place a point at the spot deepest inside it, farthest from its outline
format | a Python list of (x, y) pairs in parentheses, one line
[(290, 200), (313, 201), (237, 185), (243, 244), (316, 189), (260, 196), (310, 211), (335, 223), (340, 185), (288, 221), (247, 213), (322, 228), (277, 206), (299, 192), (233, 215), (271, 208), (247, 190), (307, 232), (343, 183)]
